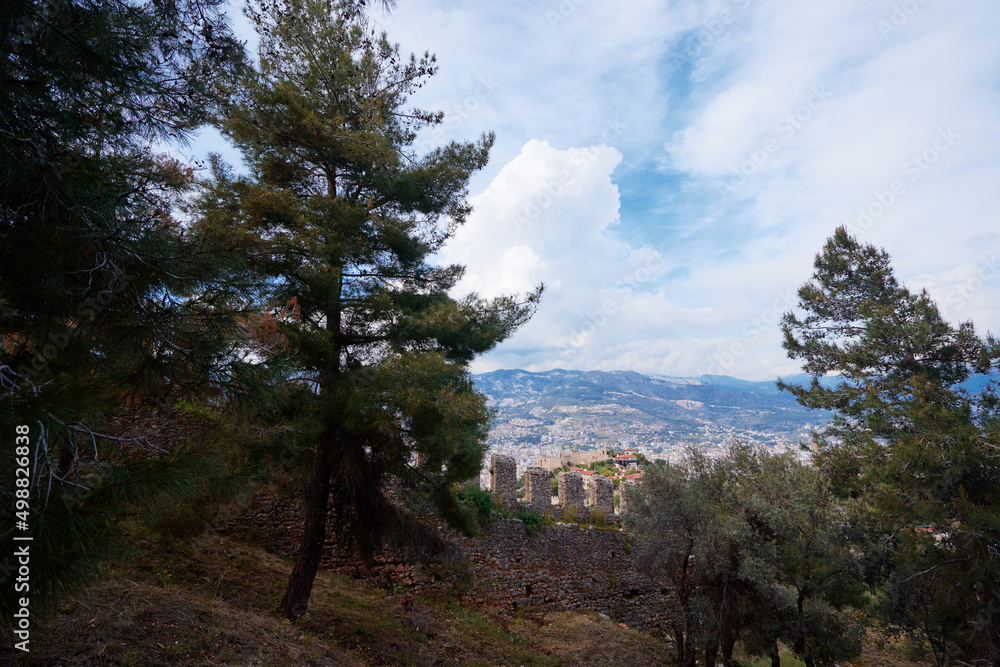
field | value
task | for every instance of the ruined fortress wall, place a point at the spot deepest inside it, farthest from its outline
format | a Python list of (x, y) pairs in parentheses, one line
[(503, 482), (571, 490), (558, 567), (574, 456), (602, 495), (538, 488)]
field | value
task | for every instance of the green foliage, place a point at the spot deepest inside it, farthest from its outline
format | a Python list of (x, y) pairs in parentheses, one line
[(909, 448), (597, 518), (531, 520), (570, 514), (530, 517), (605, 468), (483, 503), (99, 290), (751, 543), (337, 226)]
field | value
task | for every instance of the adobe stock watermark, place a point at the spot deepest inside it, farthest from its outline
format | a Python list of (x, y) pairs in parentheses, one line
[(600, 316), (902, 13), (434, 136), (768, 319), (553, 187), (785, 128), (987, 270), (914, 169), (562, 11), (708, 33)]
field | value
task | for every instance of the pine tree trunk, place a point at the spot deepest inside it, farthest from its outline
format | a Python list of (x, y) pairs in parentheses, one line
[(775, 655), (317, 501)]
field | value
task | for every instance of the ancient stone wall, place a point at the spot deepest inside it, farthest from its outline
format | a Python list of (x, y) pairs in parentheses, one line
[(538, 488), (602, 496), (558, 567), (571, 490), (503, 482), (576, 457)]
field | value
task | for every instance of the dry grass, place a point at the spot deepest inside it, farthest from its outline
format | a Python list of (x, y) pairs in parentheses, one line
[(212, 601)]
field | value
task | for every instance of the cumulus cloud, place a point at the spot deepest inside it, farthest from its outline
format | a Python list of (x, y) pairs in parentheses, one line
[(670, 168), (549, 217)]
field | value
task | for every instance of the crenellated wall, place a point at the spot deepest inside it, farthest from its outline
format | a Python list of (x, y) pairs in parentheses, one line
[(538, 489), (503, 479), (565, 566), (602, 495), (571, 490)]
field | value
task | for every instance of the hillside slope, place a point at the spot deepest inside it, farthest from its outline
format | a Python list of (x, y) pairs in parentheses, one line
[(213, 601)]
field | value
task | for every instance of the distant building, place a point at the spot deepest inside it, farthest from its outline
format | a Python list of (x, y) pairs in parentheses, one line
[(565, 458), (626, 460)]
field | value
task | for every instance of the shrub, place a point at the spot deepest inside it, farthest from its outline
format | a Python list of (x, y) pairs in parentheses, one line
[(481, 501), (531, 520)]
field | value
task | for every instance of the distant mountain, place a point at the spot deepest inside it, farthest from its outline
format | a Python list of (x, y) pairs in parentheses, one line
[(598, 407)]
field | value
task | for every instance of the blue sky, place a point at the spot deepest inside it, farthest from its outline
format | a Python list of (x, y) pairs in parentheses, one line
[(670, 169)]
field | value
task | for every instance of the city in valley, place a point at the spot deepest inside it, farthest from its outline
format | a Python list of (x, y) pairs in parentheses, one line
[(541, 417)]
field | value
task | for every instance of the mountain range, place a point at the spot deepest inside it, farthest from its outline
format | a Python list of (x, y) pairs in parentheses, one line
[(574, 409)]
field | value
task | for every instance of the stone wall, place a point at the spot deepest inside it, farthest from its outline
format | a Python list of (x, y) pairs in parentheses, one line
[(559, 567), (503, 481), (564, 458), (538, 489), (571, 490), (602, 496)]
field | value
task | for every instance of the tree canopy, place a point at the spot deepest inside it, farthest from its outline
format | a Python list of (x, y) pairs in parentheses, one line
[(911, 447), (338, 223), (98, 287), (754, 545)]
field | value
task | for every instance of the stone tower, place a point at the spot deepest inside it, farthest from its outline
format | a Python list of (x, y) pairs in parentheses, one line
[(571, 490), (503, 481), (602, 496), (538, 488)]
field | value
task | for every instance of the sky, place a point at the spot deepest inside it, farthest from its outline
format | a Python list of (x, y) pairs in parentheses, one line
[(669, 169)]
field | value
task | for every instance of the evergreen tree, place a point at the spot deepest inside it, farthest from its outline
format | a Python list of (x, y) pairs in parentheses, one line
[(913, 448), (95, 276), (339, 221)]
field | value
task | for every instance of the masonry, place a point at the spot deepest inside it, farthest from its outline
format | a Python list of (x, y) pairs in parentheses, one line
[(538, 489), (503, 479), (571, 490), (559, 567)]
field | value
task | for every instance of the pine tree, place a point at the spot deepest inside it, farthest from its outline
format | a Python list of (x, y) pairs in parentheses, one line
[(340, 220), (909, 444), (97, 282)]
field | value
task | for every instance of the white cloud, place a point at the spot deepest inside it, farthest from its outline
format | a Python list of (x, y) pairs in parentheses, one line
[(619, 128)]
